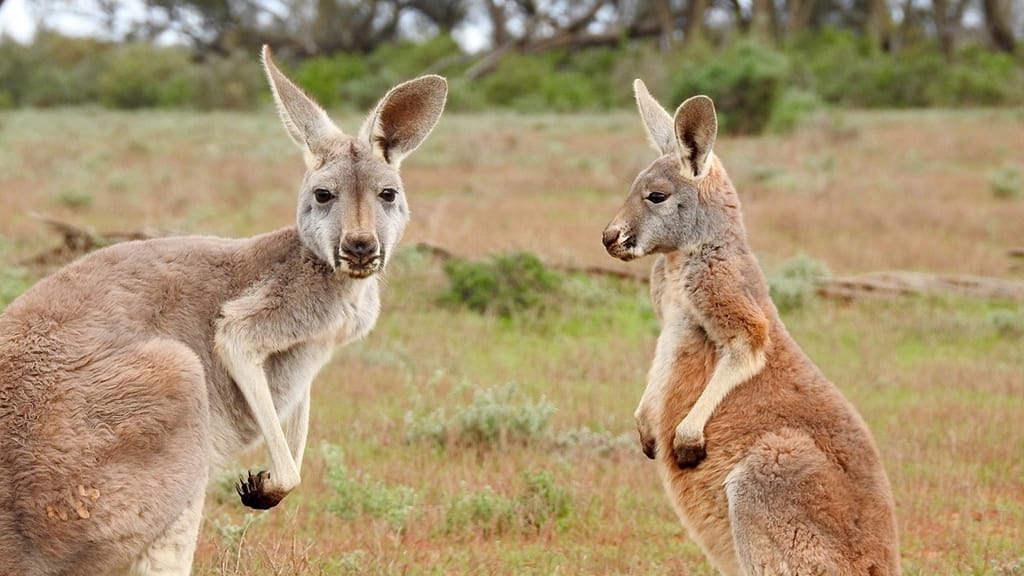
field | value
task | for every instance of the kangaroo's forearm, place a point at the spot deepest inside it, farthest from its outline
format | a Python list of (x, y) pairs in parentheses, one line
[(735, 367), (246, 370)]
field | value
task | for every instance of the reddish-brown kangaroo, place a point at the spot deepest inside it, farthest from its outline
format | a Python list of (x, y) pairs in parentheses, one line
[(770, 469)]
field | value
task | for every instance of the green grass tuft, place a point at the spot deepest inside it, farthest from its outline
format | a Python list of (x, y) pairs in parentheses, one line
[(506, 285), (793, 285), (496, 417)]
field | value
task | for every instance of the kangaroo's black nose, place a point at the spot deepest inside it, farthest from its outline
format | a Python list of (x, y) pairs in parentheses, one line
[(609, 237), (360, 247)]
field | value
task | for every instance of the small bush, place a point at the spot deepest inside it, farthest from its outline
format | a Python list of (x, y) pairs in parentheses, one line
[(497, 416), (13, 279), (232, 534), (507, 285), (1006, 184), (543, 502), (793, 285), (746, 82), (408, 59), (144, 75), (1007, 323), (483, 511), (601, 443), (540, 503), (360, 495), (328, 79), (552, 81), (74, 198), (793, 106), (233, 82)]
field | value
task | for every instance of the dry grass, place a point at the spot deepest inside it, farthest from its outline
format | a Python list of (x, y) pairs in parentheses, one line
[(940, 381)]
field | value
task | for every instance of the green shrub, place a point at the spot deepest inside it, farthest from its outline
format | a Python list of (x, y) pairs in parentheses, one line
[(506, 285), (1006, 183), (13, 279), (74, 198), (978, 77), (360, 495), (233, 82), (794, 284), (496, 417), (552, 81), (54, 70), (539, 503), (407, 59), (793, 105), (327, 78), (483, 511), (746, 82), (231, 533), (845, 68), (1007, 323), (543, 502), (144, 75)]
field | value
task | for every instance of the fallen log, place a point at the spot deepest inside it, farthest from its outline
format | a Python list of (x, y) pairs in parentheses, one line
[(904, 283), (77, 240)]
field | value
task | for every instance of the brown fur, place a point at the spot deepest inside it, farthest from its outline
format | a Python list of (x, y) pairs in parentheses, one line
[(787, 480), (128, 376)]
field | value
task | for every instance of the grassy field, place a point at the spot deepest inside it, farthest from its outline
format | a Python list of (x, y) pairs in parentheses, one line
[(453, 442)]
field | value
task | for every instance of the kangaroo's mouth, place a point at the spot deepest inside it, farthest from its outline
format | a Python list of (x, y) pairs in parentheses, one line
[(360, 268), (624, 249)]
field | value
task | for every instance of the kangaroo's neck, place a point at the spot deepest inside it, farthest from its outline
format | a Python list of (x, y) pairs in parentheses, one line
[(284, 247)]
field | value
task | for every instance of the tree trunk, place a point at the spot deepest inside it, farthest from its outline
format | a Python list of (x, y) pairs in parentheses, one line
[(997, 23), (695, 21), (944, 29), (761, 18), (499, 32), (800, 12), (666, 23), (879, 25)]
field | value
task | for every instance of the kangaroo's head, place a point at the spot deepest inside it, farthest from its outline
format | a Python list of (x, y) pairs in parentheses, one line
[(680, 200), (352, 209)]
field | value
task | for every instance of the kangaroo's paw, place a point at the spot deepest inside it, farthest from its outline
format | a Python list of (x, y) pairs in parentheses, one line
[(256, 493), (647, 443), (688, 448)]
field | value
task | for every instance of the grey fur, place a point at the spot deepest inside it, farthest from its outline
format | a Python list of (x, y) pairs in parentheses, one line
[(129, 375)]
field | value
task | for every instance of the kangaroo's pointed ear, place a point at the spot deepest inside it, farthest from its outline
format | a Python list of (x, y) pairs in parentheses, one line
[(656, 119), (696, 127), (404, 117), (305, 120)]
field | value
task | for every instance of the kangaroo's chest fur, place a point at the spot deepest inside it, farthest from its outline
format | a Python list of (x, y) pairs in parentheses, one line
[(684, 361), (684, 356), (291, 324)]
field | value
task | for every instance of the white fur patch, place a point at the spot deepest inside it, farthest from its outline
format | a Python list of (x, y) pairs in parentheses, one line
[(675, 326)]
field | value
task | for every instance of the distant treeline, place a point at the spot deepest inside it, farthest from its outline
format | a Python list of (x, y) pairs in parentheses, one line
[(758, 84)]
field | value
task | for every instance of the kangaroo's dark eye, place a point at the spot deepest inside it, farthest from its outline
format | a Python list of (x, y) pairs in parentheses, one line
[(657, 197), (388, 194), (323, 195)]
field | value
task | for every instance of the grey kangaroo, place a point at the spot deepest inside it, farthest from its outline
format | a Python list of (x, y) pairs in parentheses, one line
[(129, 375)]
